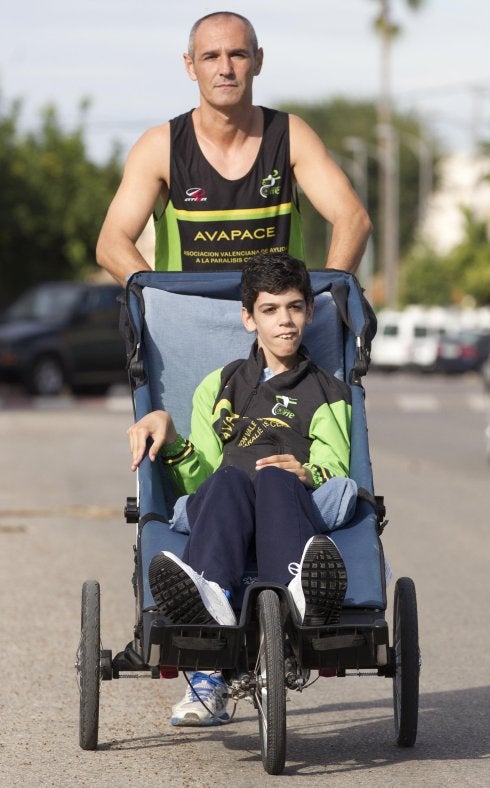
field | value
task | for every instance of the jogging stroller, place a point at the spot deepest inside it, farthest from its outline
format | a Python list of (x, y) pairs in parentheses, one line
[(179, 327)]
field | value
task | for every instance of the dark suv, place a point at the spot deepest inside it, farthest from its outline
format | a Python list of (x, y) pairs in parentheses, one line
[(60, 334)]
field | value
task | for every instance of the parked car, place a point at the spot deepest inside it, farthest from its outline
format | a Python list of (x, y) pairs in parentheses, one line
[(463, 351), (63, 334), (408, 339)]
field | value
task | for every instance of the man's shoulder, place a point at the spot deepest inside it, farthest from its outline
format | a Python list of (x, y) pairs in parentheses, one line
[(154, 137)]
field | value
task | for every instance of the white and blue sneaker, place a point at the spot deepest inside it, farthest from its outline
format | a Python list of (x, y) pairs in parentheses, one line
[(204, 703), (185, 597)]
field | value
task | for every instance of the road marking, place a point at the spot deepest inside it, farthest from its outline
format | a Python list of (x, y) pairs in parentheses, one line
[(418, 403), (479, 402), (119, 404), (86, 512)]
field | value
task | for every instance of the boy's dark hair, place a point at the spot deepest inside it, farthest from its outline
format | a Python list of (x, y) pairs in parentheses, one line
[(274, 273)]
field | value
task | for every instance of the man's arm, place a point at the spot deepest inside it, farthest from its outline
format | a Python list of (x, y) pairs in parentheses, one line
[(145, 178), (331, 193)]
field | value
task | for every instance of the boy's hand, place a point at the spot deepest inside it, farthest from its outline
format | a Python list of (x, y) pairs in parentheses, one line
[(287, 462), (158, 426)]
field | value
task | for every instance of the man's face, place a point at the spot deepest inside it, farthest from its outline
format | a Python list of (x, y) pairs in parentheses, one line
[(280, 321), (224, 62)]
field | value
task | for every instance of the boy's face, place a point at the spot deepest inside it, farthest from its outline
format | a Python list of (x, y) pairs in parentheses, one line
[(280, 322)]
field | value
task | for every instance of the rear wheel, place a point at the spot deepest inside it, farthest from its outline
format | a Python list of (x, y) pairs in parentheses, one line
[(407, 662), (270, 690), (88, 665)]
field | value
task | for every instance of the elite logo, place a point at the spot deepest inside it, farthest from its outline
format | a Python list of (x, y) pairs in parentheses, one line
[(269, 187), (195, 194), (281, 408)]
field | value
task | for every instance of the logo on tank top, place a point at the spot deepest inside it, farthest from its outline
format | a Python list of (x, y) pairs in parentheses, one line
[(195, 194), (269, 185)]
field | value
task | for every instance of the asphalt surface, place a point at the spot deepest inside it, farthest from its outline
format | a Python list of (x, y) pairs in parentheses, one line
[(65, 476)]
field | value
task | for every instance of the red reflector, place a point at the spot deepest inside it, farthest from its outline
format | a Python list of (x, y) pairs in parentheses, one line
[(327, 672), (467, 351), (168, 672)]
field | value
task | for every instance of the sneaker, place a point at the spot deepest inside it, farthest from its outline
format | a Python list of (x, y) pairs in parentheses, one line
[(184, 596), (318, 589), (207, 689)]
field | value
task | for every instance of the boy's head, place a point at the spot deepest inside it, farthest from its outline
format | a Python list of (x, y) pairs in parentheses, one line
[(277, 305), (274, 273)]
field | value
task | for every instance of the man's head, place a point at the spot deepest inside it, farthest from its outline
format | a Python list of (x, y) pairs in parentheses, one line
[(278, 305), (274, 273), (223, 58), (219, 16)]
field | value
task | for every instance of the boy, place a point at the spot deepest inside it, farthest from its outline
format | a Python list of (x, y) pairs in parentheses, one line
[(265, 433)]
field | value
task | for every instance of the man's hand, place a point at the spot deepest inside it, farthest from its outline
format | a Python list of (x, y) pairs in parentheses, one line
[(287, 462), (158, 426)]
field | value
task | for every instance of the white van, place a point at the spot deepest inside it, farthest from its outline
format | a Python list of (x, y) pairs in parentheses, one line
[(409, 338)]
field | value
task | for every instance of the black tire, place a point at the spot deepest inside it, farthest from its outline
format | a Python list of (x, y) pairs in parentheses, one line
[(407, 662), (46, 377), (270, 690), (88, 665)]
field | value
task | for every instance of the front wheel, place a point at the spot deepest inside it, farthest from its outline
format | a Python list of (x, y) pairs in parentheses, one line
[(407, 662), (270, 689), (88, 665)]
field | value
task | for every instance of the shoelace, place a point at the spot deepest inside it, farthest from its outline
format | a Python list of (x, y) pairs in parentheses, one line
[(202, 687), (293, 568), (206, 685)]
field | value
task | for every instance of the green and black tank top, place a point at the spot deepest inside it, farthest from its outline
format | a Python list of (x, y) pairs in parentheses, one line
[(211, 223)]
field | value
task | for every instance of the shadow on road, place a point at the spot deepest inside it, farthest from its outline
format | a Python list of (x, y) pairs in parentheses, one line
[(453, 726)]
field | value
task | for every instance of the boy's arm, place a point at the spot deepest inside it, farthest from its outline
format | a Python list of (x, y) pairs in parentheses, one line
[(330, 448), (190, 462)]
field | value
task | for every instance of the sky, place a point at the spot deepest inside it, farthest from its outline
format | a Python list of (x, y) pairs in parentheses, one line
[(126, 57)]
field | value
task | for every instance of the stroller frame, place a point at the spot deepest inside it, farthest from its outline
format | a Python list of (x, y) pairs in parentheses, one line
[(269, 650)]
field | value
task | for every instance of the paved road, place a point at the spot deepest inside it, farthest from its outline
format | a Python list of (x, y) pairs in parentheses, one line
[(65, 477)]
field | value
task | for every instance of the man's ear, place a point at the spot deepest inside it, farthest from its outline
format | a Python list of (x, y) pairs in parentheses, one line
[(259, 59), (189, 66), (248, 320)]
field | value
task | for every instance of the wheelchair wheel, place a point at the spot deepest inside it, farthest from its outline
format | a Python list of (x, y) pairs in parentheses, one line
[(88, 666), (270, 690), (407, 662)]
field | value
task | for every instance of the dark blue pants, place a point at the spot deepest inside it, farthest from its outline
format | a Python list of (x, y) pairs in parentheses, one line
[(230, 515)]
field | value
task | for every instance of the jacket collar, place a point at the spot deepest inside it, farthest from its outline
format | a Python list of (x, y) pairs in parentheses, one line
[(256, 365)]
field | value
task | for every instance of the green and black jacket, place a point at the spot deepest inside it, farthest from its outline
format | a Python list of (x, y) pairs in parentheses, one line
[(236, 420)]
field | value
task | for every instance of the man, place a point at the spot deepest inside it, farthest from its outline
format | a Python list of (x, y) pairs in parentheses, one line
[(222, 179), (266, 432)]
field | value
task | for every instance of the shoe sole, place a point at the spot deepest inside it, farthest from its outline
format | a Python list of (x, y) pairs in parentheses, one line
[(175, 593), (194, 721), (324, 582)]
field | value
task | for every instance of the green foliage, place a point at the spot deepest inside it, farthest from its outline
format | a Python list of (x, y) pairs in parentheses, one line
[(465, 272), (52, 201), (424, 279), (337, 120)]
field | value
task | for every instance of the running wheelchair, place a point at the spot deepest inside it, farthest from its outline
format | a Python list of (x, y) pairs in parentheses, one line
[(179, 327)]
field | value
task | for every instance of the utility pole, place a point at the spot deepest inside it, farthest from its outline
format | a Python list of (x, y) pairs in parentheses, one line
[(360, 150), (388, 158)]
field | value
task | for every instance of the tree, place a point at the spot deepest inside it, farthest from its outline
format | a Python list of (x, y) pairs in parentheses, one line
[(431, 279), (338, 120), (52, 202)]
